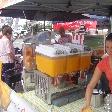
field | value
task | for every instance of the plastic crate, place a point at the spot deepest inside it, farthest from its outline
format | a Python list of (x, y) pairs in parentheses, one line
[(42, 86), (56, 95)]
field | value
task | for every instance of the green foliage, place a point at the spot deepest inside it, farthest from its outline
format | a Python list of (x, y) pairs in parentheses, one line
[(94, 42)]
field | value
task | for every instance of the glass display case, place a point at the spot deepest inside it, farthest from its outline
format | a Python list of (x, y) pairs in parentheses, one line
[(96, 43)]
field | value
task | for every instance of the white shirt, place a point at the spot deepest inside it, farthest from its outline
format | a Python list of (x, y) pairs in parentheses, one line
[(6, 47)]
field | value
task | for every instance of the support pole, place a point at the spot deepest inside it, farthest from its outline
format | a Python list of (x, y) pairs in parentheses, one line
[(110, 30)]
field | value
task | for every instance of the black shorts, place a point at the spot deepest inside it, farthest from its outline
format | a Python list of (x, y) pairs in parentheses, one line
[(7, 71)]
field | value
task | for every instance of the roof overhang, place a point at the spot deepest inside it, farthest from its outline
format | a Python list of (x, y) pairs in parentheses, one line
[(98, 7), (6, 3), (94, 7)]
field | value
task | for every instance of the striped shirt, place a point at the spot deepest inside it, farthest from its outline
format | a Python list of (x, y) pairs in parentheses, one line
[(65, 39)]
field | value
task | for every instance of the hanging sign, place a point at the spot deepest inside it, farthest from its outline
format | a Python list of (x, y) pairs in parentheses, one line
[(78, 39)]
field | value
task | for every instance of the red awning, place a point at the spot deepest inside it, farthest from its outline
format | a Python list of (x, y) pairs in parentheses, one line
[(76, 25)]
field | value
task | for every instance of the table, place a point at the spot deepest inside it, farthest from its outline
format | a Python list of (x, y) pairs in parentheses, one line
[(40, 105)]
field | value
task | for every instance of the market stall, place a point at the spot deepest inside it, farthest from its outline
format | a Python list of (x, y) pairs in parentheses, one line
[(57, 71), (60, 70)]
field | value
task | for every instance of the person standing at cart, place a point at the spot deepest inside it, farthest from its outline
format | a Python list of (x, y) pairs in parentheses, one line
[(7, 54), (65, 38), (104, 66)]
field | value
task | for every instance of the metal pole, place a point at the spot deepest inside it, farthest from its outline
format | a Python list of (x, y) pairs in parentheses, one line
[(110, 30), (44, 25)]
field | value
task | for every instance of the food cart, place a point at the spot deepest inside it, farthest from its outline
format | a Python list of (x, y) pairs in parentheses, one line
[(57, 71)]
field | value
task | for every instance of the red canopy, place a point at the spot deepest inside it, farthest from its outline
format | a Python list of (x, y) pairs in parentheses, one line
[(76, 25)]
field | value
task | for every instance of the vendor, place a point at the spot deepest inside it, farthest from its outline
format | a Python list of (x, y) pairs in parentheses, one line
[(65, 38), (104, 66)]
